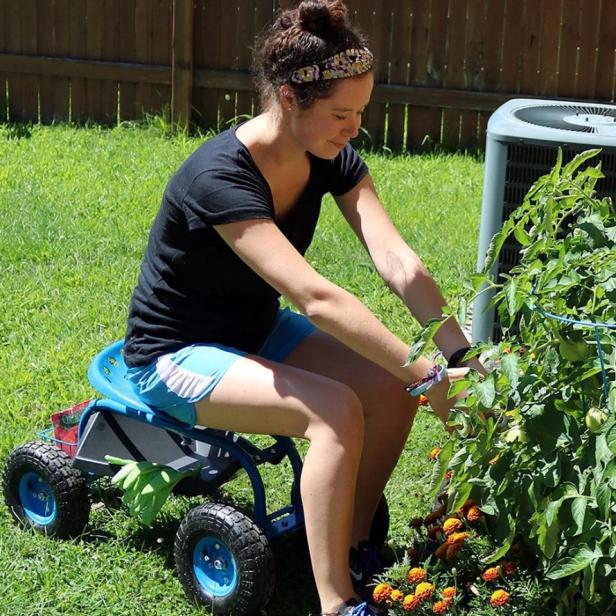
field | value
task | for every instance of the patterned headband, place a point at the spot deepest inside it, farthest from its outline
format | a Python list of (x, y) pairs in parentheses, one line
[(347, 63)]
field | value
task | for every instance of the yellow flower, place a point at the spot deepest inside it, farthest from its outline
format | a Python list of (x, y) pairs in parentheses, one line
[(424, 590), (416, 574), (473, 514), (499, 598), (451, 525), (381, 592), (396, 595), (410, 603), (491, 574), (494, 460), (457, 538), (508, 567), (449, 592), (434, 453)]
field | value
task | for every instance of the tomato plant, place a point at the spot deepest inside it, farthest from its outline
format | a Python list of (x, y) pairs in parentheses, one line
[(547, 475)]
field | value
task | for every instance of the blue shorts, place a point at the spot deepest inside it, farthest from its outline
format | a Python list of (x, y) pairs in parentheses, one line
[(176, 381)]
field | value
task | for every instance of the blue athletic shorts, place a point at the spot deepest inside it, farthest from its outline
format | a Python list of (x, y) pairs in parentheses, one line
[(176, 381)]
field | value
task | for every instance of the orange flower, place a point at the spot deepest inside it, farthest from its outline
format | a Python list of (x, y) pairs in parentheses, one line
[(424, 590), (457, 538), (499, 598), (491, 574), (434, 531), (452, 550), (413, 554), (396, 595), (432, 517), (508, 567), (411, 602), (494, 460), (473, 514), (467, 505), (416, 523), (451, 525), (440, 607), (448, 475), (423, 400), (449, 592), (434, 453), (416, 574), (441, 551), (381, 592)]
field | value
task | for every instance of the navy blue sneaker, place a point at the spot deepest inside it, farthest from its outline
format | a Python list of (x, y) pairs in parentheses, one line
[(353, 608), (365, 563)]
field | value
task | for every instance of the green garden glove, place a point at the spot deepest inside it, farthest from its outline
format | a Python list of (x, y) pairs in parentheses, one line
[(146, 485)]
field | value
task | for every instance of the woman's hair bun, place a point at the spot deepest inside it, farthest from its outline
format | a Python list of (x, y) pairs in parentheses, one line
[(318, 15)]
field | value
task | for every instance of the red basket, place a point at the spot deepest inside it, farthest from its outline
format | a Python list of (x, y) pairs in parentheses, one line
[(66, 426)]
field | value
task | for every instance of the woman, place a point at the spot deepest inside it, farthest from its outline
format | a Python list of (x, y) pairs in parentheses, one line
[(206, 341)]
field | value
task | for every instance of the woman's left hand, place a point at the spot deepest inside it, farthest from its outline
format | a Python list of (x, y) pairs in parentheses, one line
[(437, 394)]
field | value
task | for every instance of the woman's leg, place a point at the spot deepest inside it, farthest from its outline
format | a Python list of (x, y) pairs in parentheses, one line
[(388, 411), (263, 397)]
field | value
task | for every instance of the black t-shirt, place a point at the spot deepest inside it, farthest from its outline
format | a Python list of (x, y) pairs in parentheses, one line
[(192, 287)]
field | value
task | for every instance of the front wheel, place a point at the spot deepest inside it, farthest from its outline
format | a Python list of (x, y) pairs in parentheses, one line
[(42, 490), (224, 560)]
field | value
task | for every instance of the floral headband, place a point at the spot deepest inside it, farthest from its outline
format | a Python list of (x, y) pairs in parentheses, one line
[(347, 63)]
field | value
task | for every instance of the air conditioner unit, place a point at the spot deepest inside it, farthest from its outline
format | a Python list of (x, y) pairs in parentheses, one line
[(522, 144)]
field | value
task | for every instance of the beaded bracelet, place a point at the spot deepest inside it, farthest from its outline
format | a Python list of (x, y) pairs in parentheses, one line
[(435, 375)]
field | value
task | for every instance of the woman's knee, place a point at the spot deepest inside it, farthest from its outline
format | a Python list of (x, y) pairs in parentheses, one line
[(341, 417)]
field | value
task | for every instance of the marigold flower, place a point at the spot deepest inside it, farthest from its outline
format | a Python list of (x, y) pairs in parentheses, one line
[(441, 551), (396, 595), (508, 567), (467, 505), (494, 460), (416, 523), (410, 603), (473, 514), (449, 592), (451, 525), (423, 400), (440, 607), (452, 550), (413, 554), (491, 574), (416, 574), (516, 549), (457, 538), (434, 531), (381, 592), (448, 475), (499, 598), (424, 590), (434, 453), (432, 517)]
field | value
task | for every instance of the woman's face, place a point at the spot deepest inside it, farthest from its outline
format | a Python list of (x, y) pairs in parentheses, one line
[(324, 128)]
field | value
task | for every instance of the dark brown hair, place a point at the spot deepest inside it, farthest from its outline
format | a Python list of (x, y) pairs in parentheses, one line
[(308, 34)]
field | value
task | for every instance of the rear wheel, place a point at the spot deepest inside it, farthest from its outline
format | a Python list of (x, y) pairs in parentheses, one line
[(43, 491), (224, 560)]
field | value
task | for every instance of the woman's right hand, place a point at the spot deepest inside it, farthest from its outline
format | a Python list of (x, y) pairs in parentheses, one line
[(437, 394)]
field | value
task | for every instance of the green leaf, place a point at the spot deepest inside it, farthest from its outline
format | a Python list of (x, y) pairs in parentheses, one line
[(441, 464), (506, 528), (579, 559), (613, 587), (521, 235), (579, 160), (486, 391), (578, 510), (547, 536), (510, 365), (604, 496)]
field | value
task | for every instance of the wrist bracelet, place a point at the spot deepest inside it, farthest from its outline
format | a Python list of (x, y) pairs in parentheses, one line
[(456, 357), (435, 375)]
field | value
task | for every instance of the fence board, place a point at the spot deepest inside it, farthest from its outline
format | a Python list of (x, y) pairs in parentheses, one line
[(529, 61), (3, 76), (61, 47), (456, 33), (587, 56), (45, 46), (228, 55), (550, 37), (110, 51), (606, 57), (160, 51), (95, 15), (13, 43), (78, 50), (127, 53), (567, 62), (245, 36), (400, 16)]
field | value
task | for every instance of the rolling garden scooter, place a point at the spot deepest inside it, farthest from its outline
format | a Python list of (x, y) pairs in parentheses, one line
[(222, 556)]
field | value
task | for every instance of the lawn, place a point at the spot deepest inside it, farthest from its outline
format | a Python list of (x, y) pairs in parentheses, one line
[(75, 209)]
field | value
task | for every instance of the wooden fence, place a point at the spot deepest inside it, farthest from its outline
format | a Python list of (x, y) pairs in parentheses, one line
[(442, 65)]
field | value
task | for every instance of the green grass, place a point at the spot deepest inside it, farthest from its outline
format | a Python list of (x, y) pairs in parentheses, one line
[(75, 209)]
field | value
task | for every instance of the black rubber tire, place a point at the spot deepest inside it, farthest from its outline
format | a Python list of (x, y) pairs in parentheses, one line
[(68, 487), (379, 528), (250, 549)]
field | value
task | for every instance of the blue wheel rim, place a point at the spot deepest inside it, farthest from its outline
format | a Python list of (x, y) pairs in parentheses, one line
[(37, 499), (215, 567)]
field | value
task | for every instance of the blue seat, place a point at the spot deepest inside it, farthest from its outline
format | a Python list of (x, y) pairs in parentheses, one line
[(107, 374)]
